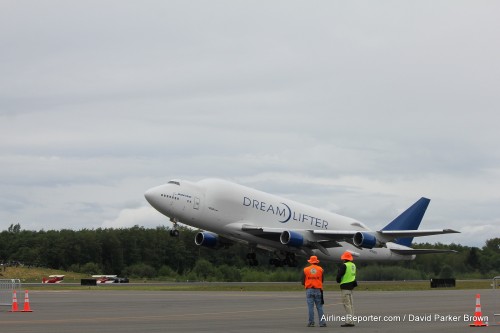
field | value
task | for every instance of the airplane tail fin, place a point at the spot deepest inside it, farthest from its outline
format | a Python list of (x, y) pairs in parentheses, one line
[(409, 220)]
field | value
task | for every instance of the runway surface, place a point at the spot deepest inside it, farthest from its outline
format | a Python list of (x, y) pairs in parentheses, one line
[(177, 311)]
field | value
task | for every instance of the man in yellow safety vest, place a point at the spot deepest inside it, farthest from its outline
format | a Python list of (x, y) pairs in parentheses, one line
[(346, 276)]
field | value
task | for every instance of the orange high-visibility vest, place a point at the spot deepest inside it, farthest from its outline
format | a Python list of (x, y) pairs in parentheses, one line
[(314, 277)]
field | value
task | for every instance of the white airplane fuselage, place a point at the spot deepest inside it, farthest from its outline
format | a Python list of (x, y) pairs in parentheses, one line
[(226, 208)]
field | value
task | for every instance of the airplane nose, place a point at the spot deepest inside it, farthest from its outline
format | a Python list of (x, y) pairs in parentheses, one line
[(150, 195)]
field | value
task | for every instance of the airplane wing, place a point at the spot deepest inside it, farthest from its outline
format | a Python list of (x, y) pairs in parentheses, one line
[(346, 235), (263, 232), (323, 239), (316, 239), (336, 235), (320, 235)]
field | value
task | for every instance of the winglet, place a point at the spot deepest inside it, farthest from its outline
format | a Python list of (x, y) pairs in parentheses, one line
[(409, 220)]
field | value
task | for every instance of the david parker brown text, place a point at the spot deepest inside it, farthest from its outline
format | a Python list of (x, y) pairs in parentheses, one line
[(406, 317)]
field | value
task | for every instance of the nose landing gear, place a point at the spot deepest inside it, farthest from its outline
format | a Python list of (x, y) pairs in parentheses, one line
[(174, 232)]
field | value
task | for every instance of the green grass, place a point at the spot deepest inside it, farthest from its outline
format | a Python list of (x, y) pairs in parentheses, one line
[(269, 287), (34, 275), (420, 285)]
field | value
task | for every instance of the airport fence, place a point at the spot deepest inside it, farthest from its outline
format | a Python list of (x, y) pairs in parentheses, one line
[(496, 282), (7, 286)]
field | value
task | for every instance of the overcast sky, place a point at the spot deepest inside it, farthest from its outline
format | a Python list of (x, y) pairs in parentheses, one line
[(356, 107)]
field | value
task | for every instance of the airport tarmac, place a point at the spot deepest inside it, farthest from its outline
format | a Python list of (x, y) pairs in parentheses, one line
[(124, 311)]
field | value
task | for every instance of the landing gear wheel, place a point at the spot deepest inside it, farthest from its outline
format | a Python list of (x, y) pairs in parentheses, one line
[(174, 232), (252, 259), (276, 262), (290, 260)]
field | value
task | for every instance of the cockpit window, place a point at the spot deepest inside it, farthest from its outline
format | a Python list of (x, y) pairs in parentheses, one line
[(174, 182)]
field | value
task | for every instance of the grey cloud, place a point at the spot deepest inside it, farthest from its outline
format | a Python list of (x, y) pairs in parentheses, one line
[(357, 108)]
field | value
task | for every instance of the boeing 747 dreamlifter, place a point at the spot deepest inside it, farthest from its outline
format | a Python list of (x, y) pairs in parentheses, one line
[(234, 213)]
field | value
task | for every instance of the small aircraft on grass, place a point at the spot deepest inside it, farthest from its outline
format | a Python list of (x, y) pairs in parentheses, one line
[(53, 279)]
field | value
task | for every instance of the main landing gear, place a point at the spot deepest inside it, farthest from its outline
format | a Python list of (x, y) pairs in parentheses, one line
[(276, 261), (174, 232), (252, 259), (289, 260)]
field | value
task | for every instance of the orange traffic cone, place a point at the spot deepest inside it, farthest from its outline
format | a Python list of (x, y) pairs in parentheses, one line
[(15, 307), (26, 307), (478, 315)]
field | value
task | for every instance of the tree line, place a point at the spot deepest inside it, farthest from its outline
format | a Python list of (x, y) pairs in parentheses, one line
[(140, 252)]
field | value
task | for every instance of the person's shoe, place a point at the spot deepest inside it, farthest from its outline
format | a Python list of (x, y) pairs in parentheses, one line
[(310, 324), (322, 325), (347, 325)]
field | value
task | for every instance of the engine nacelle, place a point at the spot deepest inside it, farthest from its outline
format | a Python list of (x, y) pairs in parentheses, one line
[(365, 240), (291, 238), (206, 239)]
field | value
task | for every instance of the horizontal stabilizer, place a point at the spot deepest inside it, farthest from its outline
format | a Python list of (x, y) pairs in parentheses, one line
[(415, 233), (421, 251)]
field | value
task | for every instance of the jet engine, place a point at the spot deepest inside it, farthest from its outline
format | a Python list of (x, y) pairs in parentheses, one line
[(206, 239), (365, 240), (291, 238)]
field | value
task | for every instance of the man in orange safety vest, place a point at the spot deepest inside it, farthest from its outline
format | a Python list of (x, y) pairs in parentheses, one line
[(312, 279)]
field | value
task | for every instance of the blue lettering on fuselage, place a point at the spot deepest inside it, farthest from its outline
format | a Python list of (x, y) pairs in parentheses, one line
[(284, 213)]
